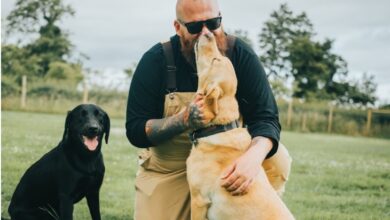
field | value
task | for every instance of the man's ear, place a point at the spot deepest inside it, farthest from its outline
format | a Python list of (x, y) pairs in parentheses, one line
[(67, 123), (177, 26), (106, 127)]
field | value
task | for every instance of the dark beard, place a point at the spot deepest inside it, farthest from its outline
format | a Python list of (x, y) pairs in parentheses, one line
[(187, 47)]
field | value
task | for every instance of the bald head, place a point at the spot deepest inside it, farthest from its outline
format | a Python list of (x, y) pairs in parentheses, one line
[(192, 10)]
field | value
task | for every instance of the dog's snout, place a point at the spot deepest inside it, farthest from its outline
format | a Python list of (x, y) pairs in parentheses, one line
[(93, 129)]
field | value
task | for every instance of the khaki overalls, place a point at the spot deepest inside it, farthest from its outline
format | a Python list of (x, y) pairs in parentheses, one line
[(162, 191)]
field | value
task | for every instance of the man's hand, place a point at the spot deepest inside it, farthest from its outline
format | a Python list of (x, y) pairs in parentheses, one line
[(237, 178), (194, 116)]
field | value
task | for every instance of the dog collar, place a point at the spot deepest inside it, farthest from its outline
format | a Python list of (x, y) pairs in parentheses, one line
[(208, 131)]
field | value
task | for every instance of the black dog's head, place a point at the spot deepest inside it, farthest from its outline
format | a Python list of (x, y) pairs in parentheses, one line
[(86, 125)]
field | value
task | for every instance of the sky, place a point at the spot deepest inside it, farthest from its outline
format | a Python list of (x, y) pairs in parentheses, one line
[(115, 33)]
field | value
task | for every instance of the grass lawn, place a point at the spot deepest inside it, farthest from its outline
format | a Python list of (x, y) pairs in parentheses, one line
[(333, 177)]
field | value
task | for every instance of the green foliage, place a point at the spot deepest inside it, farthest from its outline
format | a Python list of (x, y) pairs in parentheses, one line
[(17, 61), (362, 91), (8, 87), (54, 96), (51, 46), (277, 34), (37, 57), (315, 68), (130, 70), (279, 88), (243, 35), (65, 72), (385, 106), (53, 90), (31, 16), (288, 51), (314, 117)]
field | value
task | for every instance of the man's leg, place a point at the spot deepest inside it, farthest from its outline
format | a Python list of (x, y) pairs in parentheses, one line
[(278, 168)]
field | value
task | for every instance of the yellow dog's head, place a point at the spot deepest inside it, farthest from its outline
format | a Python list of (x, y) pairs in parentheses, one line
[(206, 51), (216, 80)]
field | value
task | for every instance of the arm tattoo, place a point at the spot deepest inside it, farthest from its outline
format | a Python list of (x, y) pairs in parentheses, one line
[(160, 130), (194, 118)]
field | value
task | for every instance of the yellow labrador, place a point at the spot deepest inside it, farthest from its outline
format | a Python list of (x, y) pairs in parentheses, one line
[(212, 154)]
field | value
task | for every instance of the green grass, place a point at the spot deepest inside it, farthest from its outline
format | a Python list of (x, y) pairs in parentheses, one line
[(333, 177)]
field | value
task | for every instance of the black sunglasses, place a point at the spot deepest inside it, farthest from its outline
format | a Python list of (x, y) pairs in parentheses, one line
[(196, 27)]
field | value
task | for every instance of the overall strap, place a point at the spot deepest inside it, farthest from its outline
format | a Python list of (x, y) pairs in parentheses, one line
[(171, 67)]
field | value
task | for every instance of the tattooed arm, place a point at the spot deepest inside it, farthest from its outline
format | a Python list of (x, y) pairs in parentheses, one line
[(192, 117)]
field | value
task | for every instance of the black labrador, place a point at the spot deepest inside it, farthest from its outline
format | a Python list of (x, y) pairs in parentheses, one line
[(71, 171)]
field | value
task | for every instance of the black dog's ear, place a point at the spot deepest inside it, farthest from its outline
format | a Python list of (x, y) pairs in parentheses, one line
[(67, 121), (106, 127)]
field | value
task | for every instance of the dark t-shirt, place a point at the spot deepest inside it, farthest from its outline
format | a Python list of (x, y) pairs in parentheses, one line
[(148, 89)]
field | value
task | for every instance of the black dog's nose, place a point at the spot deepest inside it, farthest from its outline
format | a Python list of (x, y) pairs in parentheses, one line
[(93, 130)]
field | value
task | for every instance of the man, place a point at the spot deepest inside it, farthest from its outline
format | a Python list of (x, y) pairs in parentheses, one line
[(160, 117)]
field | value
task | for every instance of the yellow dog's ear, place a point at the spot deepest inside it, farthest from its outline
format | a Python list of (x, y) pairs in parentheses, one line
[(212, 94)]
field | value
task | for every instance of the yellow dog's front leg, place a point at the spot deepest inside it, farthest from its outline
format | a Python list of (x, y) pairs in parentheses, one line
[(199, 206)]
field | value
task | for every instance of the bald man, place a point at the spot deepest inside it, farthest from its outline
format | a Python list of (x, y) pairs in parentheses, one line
[(161, 112)]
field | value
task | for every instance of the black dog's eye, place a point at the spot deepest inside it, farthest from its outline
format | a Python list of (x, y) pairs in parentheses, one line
[(96, 112)]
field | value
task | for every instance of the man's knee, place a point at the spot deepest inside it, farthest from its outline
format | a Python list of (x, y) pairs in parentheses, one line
[(278, 168)]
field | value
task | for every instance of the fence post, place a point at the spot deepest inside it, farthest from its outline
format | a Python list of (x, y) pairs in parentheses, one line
[(314, 122), (369, 118), (289, 113), (330, 119), (304, 122), (24, 92), (85, 92)]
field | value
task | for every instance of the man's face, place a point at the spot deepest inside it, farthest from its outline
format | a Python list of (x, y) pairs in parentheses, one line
[(194, 13)]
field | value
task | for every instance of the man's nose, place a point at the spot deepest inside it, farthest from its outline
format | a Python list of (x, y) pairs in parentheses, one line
[(205, 30)]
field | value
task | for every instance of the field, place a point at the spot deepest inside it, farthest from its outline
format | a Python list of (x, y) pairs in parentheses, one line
[(333, 177)]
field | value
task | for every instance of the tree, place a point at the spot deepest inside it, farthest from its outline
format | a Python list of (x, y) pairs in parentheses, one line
[(31, 16), (129, 71), (64, 71), (277, 34), (315, 69), (41, 17), (243, 35), (51, 46), (317, 73), (17, 61), (320, 74), (362, 91)]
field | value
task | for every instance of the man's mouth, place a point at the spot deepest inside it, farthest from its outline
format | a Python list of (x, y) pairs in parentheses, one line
[(91, 142)]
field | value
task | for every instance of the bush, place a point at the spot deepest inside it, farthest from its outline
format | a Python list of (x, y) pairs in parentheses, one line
[(9, 87)]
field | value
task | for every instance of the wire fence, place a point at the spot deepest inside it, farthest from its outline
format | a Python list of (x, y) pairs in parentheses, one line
[(294, 115)]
